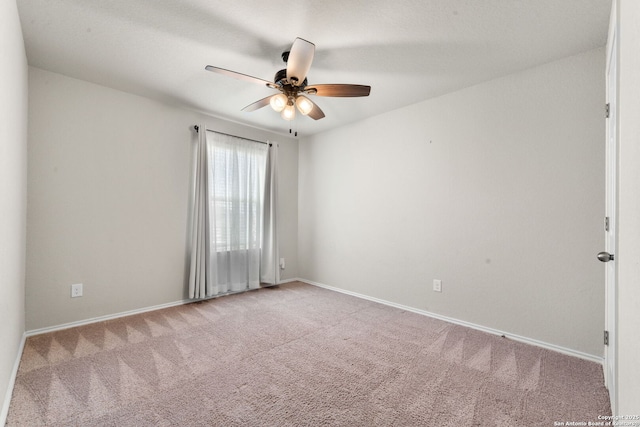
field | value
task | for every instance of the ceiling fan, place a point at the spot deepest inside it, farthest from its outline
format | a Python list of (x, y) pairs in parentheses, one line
[(291, 82)]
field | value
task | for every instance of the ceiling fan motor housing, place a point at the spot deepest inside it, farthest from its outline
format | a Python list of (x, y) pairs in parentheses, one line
[(281, 79)]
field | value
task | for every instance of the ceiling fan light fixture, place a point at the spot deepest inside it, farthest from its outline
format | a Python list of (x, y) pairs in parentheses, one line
[(289, 112), (278, 102), (304, 104)]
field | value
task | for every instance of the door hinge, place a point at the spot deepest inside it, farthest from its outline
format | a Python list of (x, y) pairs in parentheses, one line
[(606, 110), (606, 337), (606, 223)]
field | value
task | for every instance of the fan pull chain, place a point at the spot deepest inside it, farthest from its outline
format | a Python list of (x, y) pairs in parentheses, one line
[(295, 121)]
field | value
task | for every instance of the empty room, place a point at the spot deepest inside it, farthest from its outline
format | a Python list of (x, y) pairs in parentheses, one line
[(297, 213)]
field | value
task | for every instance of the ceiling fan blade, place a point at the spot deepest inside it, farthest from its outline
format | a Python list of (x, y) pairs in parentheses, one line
[(342, 90), (240, 76), (316, 113), (258, 104), (299, 61)]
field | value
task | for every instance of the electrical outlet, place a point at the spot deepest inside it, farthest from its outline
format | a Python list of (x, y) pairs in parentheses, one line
[(437, 285), (76, 290)]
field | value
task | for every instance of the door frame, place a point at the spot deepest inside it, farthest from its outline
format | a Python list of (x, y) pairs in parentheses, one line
[(611, 202)]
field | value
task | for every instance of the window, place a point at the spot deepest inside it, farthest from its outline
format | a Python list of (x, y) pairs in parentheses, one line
[(236, 183)]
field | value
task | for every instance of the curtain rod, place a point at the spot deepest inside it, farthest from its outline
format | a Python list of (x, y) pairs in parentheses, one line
[(196, 127)]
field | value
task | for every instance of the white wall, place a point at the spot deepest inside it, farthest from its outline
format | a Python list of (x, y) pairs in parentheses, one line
[(628, 255), (497, 190), (109, 186), (13, 193)]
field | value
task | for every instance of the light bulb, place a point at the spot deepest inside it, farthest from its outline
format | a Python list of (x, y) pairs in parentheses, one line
[(278, 102), (289, 112), (304, 104)]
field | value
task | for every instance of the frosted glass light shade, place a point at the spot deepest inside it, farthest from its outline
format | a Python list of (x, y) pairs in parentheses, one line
[(289, 112), (278, 102), (304, 104)]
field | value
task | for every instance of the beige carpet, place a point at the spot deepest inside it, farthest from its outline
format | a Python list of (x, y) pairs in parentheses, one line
[(296, 355)]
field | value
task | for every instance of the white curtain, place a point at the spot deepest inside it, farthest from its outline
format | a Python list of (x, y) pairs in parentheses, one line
[(228, 215), (269, 265), (199, 272)]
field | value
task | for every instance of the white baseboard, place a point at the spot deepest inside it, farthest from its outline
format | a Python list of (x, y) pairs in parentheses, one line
[(126, 313), (103, 318), (560, 349), (12, 382), (514, 337)]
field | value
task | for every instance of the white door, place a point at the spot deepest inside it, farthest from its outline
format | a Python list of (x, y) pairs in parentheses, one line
[(608, 256)]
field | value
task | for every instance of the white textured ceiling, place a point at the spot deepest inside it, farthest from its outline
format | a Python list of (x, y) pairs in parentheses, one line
[(406, 50)]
